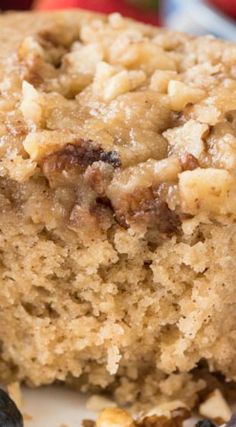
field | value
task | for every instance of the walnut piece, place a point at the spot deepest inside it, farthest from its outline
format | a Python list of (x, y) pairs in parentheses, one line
[(114, 417), (216, 408), (181, 94)]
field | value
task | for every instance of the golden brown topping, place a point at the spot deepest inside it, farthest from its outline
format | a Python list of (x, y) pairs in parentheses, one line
[(109, 82), (160, 80), (222, 146), (16, 126), (134, 193), (181, 95), (99, 176), (32, 75), (82, 155), (156, 211), (37, 61), (188, 138), (31, 107), (208, 190), (188, 162), (83, 59)]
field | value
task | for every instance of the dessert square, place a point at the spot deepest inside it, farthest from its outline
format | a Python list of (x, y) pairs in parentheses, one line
[(117, 206)]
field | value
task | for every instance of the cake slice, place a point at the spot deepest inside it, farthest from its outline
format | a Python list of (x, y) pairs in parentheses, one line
[(118, 206)]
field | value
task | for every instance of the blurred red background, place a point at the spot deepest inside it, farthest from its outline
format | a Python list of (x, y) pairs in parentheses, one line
[(227, 6), (15, 4), (126, 7)]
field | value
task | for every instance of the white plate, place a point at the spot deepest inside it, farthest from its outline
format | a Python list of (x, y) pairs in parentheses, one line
[(54, 407), (58, 407)]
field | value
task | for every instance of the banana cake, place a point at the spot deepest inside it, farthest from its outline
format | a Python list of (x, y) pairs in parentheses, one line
[(117, 206)]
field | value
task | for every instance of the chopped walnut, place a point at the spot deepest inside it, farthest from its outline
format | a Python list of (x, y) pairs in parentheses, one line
[(181, 94), (108, 83), (167, 409), (81, 154), (176, 420), (188, 138), (222, 146), (83, 59), (39, 59), (116, 417), (216, 408), (41, 143), (188, 162), (98, 176), (133, 53), (30, 46), (18, 168), (131, 192), (31, 107), (111, 417), (209, 190), (160, 80)]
